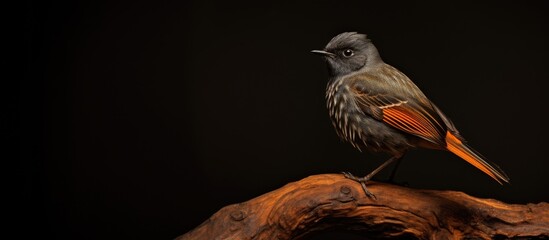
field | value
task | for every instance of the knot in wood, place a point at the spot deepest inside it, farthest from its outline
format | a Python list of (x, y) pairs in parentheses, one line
[(238, 215), (345, 194), (345, 190)]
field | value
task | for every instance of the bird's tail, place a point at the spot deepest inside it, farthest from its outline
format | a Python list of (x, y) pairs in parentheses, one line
[(456, 146)]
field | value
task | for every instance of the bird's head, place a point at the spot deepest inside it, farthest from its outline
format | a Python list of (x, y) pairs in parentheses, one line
[(349, 52)]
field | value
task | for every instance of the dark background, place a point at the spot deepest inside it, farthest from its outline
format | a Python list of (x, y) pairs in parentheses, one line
[(138, 120)]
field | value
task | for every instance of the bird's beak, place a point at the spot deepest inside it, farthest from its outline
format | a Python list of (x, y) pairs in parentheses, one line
[(323, 53)]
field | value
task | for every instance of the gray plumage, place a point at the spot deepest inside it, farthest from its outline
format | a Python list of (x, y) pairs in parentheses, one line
[(376, 107)]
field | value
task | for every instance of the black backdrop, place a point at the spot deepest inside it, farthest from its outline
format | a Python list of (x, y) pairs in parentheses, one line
[(138, 120)]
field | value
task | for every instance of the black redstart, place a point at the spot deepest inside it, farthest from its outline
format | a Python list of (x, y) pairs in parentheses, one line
[(376, 107)]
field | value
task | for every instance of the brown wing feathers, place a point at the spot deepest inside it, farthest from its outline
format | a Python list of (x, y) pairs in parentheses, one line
[(403, 115), (426, 122), (412, 122)]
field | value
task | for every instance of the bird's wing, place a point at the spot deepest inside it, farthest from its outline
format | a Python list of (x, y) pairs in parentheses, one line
[(407, 109), (449, 124), (404, 114)]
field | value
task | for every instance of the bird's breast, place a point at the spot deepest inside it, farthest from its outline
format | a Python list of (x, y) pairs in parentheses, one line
[(346, 116)]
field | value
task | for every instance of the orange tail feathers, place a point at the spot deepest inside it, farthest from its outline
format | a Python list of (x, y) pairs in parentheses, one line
[(456, 146)]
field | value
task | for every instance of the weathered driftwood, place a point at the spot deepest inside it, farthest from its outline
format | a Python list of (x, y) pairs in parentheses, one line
[(331, 201)]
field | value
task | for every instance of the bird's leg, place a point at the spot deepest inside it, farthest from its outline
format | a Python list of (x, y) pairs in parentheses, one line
[(363, 180)]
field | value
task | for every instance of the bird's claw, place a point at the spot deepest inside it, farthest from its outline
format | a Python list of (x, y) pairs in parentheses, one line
[(362, 181)]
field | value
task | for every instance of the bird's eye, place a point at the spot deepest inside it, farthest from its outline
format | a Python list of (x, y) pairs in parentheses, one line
[(348, 53)]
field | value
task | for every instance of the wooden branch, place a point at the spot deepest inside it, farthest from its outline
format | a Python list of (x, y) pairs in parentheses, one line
[(331, 201)]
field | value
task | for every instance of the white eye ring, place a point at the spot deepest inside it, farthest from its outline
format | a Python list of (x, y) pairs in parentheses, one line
[(348, 53)]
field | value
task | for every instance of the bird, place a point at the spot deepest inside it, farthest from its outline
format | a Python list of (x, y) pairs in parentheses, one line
[(377, 108)]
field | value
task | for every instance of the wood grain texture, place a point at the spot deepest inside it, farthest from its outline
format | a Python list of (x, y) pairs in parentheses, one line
[(331, 201)]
